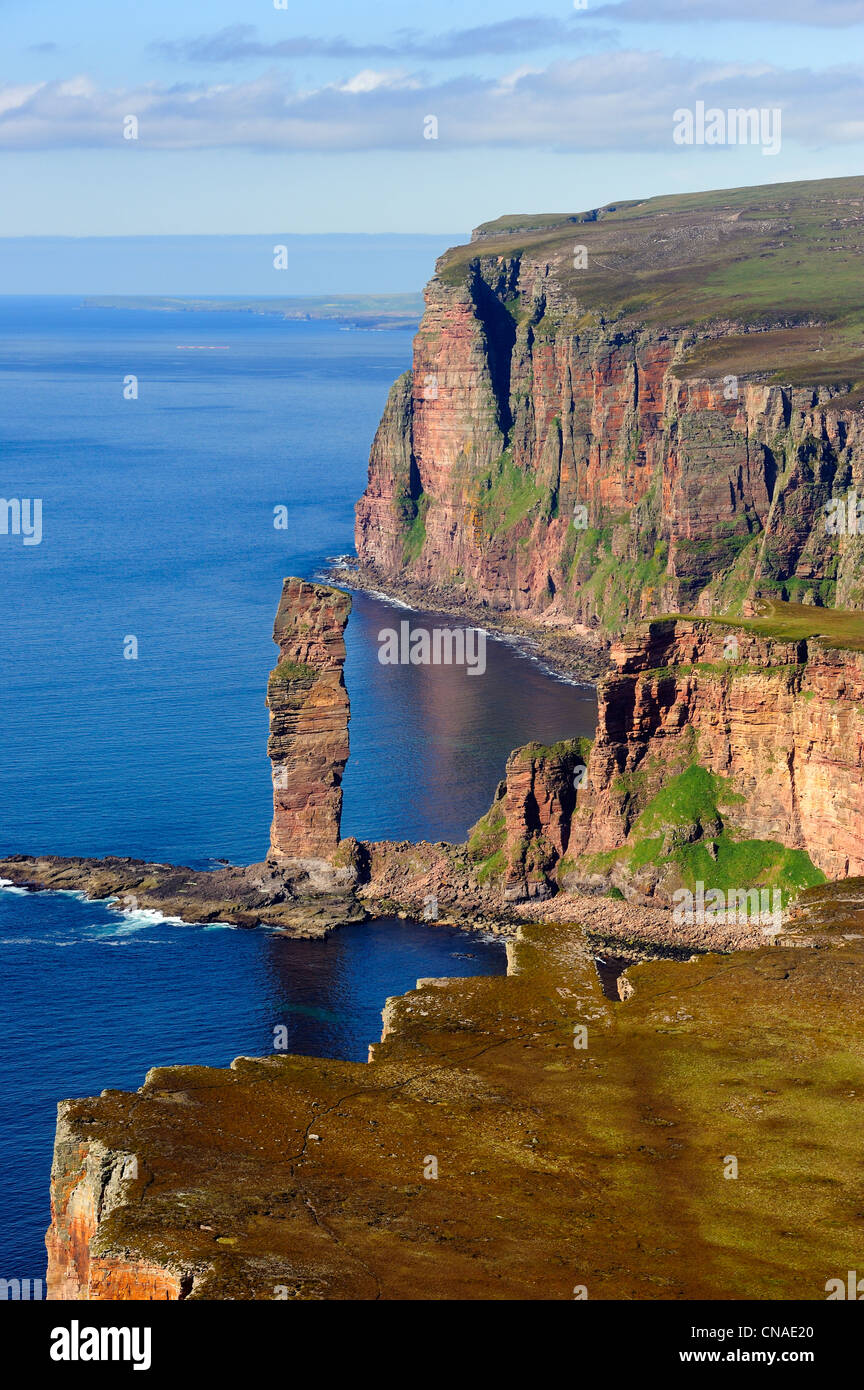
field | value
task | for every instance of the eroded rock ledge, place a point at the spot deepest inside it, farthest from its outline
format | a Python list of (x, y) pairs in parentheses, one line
[(559, 1167)]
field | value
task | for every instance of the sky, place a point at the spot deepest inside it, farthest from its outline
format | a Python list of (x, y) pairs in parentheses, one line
[(235, 117)]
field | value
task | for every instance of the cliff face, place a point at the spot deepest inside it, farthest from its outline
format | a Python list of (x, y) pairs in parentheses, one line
[(88, 1182), (309, 713), (526, 832), (781, 723), (724, 755), (567, 445)]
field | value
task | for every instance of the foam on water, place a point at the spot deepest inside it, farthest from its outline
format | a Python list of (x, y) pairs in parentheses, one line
[(7, 886)]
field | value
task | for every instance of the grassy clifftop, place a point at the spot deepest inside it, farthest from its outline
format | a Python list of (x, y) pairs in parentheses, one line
[(838, 628), (787, 258)]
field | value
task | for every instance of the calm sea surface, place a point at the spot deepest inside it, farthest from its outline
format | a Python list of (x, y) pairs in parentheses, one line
[(157, 524)]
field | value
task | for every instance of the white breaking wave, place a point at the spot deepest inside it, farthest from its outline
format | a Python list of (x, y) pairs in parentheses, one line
[(7, 886), (390, 601), (138, 918)]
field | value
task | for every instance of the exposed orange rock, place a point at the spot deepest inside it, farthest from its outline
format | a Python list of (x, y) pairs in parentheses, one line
[(539, 797), (88, 1182), (783, 721), (309, 715)]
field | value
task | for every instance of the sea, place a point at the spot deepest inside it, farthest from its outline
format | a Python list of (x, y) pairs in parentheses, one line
[(184, 464)]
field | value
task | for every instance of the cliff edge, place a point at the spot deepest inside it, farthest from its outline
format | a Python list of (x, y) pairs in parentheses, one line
[(642, 410)]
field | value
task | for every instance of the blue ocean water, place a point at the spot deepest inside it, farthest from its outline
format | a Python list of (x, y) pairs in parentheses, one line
[(157, 524)]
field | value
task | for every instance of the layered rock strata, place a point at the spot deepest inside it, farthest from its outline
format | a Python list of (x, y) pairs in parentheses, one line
[(309, 713), (604, 444), (722, 750), (781, 722)]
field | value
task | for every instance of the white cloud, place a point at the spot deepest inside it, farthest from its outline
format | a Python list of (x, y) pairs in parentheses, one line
[(609, 101), (14, 96), (369, 81), (239, 43)]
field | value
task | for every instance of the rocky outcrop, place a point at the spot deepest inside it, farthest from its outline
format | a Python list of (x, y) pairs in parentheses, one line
[(563, 448), (298, 900), (518, 843), (309, 715), (728, 753), (781, 723), (88, 1183), (539, 799), (520, 1137)]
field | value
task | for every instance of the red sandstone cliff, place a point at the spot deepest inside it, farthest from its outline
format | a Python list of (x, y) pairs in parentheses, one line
[(782, 721), (88, 1182), (537, 390), (769, 734), (309, 713)]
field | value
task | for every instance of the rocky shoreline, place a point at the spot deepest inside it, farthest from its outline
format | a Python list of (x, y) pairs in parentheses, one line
[(252, 896), (201, 1184), (580, 656)]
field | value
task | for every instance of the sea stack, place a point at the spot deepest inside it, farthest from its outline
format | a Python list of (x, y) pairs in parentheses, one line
[(309, 713)]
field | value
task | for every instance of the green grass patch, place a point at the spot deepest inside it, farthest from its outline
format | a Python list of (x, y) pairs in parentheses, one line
[(688, 825), (506, 495), (493, 867), (487, 837), (288, 671), (415, 536), (781, 259), (565, 748), (794, 622)]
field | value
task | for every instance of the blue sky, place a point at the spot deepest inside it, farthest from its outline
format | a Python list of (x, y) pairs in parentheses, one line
[(311, 118)]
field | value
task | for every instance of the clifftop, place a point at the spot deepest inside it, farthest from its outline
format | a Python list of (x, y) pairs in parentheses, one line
[(559, 1163), (785, 257), (641, 409)]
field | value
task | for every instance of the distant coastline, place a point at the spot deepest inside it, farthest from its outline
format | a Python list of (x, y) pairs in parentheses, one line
[(369, 311)]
